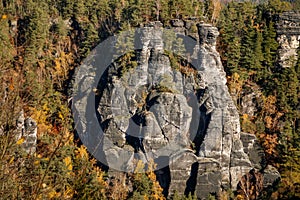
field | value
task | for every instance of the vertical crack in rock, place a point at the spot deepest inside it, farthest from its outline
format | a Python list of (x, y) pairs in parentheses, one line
[(182, 117)]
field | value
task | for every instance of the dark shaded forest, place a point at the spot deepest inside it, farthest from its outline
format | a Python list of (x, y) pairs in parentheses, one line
[(42, 42)]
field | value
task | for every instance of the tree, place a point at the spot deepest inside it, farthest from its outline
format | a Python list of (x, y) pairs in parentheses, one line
[(37, 33), (6, 46), (213, 9), (251, 185), (278, 6), (145, 185), (230, 40), (258, 57), (247, 48), (270, 44), (180, 9)]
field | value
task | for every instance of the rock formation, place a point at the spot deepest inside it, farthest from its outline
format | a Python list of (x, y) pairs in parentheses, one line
[(27, 129), (180, 114), (288, 37)]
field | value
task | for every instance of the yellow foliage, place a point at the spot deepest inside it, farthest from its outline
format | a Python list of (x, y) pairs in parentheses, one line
[(53, 194), (146, 197), (4, 17), (68, 193), (247, 124), (41, 117), (100, 175), (139, 167), (269, 109), (63, 113), (39, 156), (156, 189), (20, 141), (81, 152), (245, 117), (62, 65), (37, 162), (235, 84), (11, 160), (61, 116), (45, 107), (67, 137), (68, 163)]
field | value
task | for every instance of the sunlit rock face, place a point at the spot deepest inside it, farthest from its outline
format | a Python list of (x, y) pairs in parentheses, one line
[(288, 37), (27, 129), (181, 116)]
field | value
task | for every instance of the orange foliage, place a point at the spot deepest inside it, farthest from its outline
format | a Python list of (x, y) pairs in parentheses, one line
[(269, 143), (269, 105), (156, 189)]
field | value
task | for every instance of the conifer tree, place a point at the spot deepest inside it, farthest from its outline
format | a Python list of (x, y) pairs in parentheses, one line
[(230, 42), (37, 33), (258, 56), (6, 47), (180, 8), (247, 48), (270, 44), (67, 8)]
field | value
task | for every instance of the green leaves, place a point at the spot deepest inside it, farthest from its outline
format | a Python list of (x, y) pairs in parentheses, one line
[(248, 47)]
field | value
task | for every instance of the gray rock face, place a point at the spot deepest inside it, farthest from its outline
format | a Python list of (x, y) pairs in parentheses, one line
[(27, 128), (181, 117), (253, 150), (271, 176), (288, 31)]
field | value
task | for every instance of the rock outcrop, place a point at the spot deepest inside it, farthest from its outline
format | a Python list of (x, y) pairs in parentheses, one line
[(27, 129), (288, 37), (178, 113)]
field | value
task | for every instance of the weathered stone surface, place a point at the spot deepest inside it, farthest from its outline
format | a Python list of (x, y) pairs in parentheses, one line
[(181, 165), (288, 23), (186, 121), (145, 107), (27, 128), (208, 179), (173, 116), (253, 150), (178, 26), (287, 52), (271, 176), (191, 27), (177, 23), (222, 138), (288, 31), (248, 105)]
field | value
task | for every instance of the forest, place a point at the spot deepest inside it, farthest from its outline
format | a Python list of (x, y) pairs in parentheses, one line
[(42, 42)]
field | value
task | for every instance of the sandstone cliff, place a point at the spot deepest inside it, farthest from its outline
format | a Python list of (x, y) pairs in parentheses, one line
[(288, 37), (181, 116)]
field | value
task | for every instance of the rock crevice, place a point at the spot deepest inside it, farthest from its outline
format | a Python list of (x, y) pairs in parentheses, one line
[(180, 115)]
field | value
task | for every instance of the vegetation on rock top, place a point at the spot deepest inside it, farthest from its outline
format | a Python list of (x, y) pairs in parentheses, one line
[(42, 42)]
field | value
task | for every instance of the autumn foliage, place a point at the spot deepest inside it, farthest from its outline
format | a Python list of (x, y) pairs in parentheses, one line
[(43, 42)]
